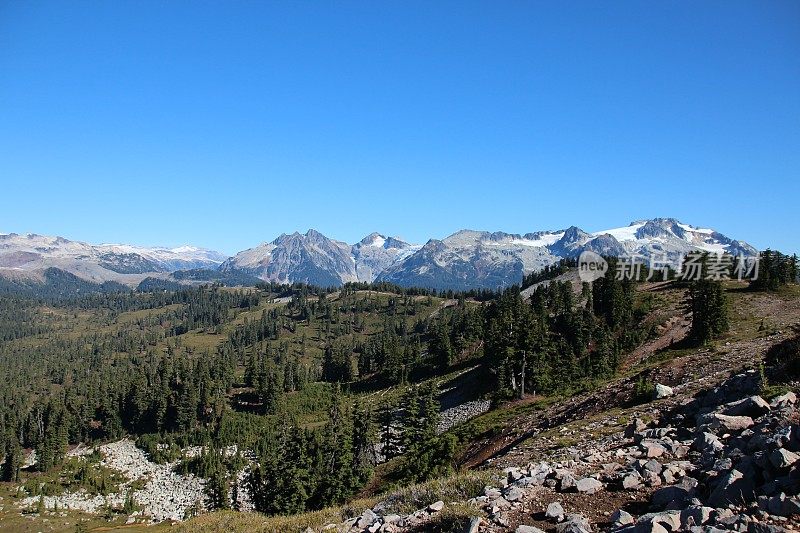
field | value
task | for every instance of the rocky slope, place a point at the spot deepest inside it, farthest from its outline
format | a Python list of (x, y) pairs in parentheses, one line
[(723, 459)]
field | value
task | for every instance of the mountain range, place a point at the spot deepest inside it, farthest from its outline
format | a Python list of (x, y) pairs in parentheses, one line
[(467, 259)]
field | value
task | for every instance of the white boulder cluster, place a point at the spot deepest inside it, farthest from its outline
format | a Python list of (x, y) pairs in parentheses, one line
[(453, 416), (165, 495)]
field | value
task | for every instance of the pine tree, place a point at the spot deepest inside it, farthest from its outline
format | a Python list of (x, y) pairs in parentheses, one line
[(363, 454), (709, 310), (439, 346), (13, 460)]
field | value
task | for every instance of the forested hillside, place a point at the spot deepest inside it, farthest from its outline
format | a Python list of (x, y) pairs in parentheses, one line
[(284, 399)]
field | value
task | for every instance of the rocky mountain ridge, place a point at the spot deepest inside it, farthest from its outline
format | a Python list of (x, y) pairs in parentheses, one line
[(467, 259), (32, 254)]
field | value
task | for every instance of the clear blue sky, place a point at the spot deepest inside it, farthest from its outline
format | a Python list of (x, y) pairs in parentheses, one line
[(224, 124)]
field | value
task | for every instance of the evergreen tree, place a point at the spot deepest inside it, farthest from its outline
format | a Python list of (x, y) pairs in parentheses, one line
[(13, 460), (709, 310)]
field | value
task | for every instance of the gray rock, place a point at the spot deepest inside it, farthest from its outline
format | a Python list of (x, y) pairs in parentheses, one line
[(753, 406), (475, 524), (781, 458), (492, 493), (513, 494), (653, 466), (775, 504), (652, 449), (634, 427), (513, 473), (663, 496), (588, 485), (500, 504), (366, 519), (791, 507), (708, 442), (729, 423), (540, 471), (784, 400), (650, 527), (632, 481), (529, 481), (555, 511), (668, 520), (527, 529), (437, 506), (574, 523), (662, 391), (566, 480), (700, 515), (392, 519), (735, 488), (621, 518)]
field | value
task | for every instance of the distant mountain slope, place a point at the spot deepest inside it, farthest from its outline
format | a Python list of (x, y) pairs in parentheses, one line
[(465, 260), (33, 254), (478, 259), (314, 258)]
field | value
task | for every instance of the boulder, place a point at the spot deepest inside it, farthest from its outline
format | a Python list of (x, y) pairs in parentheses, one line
[(753, 406), (512, 473), (733, 488), (708, 442), (662, 391), (728, 423), (781, 458), (574, 523), (474, 525), (653, 466), (492, 493), (366, 519), (632, 481), (673, 493), (526, 529), (588, 485), (699, 515), (652, 449), (791, 507), (513, 494), (540, 471), (566, 480), (784, 400), (650, 527), (669, 520), (634, 427), (392, 519), (621, 518), (555, 512), (437, 506)]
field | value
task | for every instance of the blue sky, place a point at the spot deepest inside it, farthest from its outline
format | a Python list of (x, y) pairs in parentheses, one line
[(224, 124)]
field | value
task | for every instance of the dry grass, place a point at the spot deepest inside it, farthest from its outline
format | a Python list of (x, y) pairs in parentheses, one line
[(455, 488)]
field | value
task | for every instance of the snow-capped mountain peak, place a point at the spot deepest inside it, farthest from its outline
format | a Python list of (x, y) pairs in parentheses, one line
[(467, 259)]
